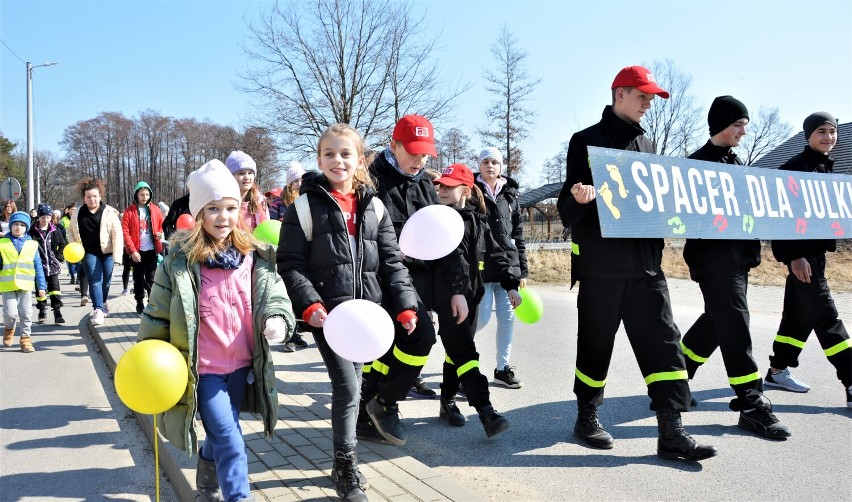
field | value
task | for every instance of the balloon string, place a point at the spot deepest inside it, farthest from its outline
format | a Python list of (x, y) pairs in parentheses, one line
[(156, 459)]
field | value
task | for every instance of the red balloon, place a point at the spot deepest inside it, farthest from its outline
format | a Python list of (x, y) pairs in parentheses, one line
[(185, 222)]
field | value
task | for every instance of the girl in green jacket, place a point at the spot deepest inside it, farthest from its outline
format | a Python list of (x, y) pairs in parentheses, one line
[(219, 300)]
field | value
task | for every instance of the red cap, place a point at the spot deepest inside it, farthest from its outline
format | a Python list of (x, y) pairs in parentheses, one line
[(455, 175), (275, 192), (416, 134), (640, 78)]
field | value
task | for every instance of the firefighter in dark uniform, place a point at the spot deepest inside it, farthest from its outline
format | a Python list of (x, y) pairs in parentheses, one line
[(404, 187), (721, 267), (808, 305), (622, 280)]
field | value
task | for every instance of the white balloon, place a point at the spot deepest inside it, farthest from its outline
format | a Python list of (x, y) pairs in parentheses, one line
[(431, 233), (359, 330)]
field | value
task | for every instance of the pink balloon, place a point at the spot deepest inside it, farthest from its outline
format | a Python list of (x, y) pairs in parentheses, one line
[(185, 222)]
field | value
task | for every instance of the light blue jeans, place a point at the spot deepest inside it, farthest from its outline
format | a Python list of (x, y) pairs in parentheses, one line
[(505, 320), (99, 273), (219, 399)]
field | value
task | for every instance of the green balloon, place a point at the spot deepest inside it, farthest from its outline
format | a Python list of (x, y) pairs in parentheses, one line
[(268, 231), (531, 307)]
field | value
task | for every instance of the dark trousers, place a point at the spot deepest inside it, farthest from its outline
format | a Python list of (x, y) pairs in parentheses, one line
[(395, 372), (83, 280), (810, 307), (127, 265), (644, 306), (461, 364), (53, 293), (725, 324), (143, 274)]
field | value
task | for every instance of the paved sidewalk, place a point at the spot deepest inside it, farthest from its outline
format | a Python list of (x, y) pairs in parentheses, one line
[(294, 464)]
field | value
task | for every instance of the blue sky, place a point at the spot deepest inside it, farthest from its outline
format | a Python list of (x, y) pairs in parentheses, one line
[(181, 58)]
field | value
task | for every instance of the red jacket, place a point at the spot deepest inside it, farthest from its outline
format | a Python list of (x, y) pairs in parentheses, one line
[(130, 227)]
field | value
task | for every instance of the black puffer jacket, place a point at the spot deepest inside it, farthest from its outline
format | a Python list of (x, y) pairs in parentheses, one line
[(594, 256), (458, 273), (179, 206), (710, 255), (323, 270), (403, 196), (53, 239), (504, 218), (809, 161)]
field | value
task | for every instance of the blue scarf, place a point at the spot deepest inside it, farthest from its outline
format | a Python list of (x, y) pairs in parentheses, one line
[(392, 161), (228, 259)]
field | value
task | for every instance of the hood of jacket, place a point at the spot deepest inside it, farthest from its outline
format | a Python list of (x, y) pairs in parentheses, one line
[(140, 186)]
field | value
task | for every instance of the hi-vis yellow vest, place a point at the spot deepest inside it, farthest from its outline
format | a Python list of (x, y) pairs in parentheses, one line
[(18, 271)]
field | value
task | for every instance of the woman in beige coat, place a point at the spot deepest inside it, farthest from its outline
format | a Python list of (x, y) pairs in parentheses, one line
[(98, 228)]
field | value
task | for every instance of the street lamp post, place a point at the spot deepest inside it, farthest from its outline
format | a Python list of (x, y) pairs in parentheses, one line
[(30, 180)]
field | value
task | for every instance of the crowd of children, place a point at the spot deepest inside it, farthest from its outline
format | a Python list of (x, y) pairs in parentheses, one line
[(223, 297)]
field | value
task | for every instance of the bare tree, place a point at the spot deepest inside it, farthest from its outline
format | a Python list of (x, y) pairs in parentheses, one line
[(511, 84), (764, 133), (554, 167), (675, 125), (361, 62), (454, 147)]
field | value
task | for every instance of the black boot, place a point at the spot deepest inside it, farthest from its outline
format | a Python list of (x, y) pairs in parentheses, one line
[(207, 482), (347, 477), (451, 413), (42, 313), (589, 429), (674, 443), (57, 317), (492, 422)]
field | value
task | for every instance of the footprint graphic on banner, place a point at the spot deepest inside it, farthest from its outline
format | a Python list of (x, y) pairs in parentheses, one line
[(606, 194), (678, 227), (748, 223), (615, 174)]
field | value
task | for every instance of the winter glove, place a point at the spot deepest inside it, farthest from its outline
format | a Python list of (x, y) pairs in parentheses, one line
[(275, 330)]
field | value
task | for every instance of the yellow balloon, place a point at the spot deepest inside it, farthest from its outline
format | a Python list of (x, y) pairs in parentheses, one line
[(151, 377), (73, 252)]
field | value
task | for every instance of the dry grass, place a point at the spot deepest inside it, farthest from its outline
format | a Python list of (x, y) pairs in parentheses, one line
[(554, 267)]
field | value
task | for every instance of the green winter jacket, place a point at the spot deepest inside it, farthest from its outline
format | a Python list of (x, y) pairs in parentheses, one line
[(172, 315)]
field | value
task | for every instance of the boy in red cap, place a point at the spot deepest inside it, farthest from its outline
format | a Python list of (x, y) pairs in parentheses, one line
[(404, 187), (622, 280)]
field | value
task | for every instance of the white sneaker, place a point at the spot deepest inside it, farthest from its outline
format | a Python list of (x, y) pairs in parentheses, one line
[(785, 380), (106, 309), (125, 292), (97, 317)]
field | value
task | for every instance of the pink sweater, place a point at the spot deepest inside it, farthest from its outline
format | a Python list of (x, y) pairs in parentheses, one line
[(225, 333)]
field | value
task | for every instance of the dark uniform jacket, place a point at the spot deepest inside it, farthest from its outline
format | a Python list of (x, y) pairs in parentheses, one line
[(809, 161), (594, 256), (710, 255), (504, 218), (458, 273), (52, 239), (324, 270), (403, 196)]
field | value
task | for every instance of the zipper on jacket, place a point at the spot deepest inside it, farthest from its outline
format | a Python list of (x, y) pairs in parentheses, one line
[(355, 274)]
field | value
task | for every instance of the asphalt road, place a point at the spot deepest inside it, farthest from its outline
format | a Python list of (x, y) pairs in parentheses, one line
[(539, 459), (64, 433)]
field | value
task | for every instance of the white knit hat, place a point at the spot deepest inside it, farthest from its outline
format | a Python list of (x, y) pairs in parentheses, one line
[(238, 161), (490, 153), (295, 172), (210, 182)]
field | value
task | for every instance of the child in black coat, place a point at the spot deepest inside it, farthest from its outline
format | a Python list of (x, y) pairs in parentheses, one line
[(460, 277), (51, 242)]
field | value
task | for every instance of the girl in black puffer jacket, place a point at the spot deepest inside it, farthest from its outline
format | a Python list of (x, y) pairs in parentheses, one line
[(460, 276), (347, 251)]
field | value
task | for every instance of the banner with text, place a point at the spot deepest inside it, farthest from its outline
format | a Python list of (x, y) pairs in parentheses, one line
[(645, 195)]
